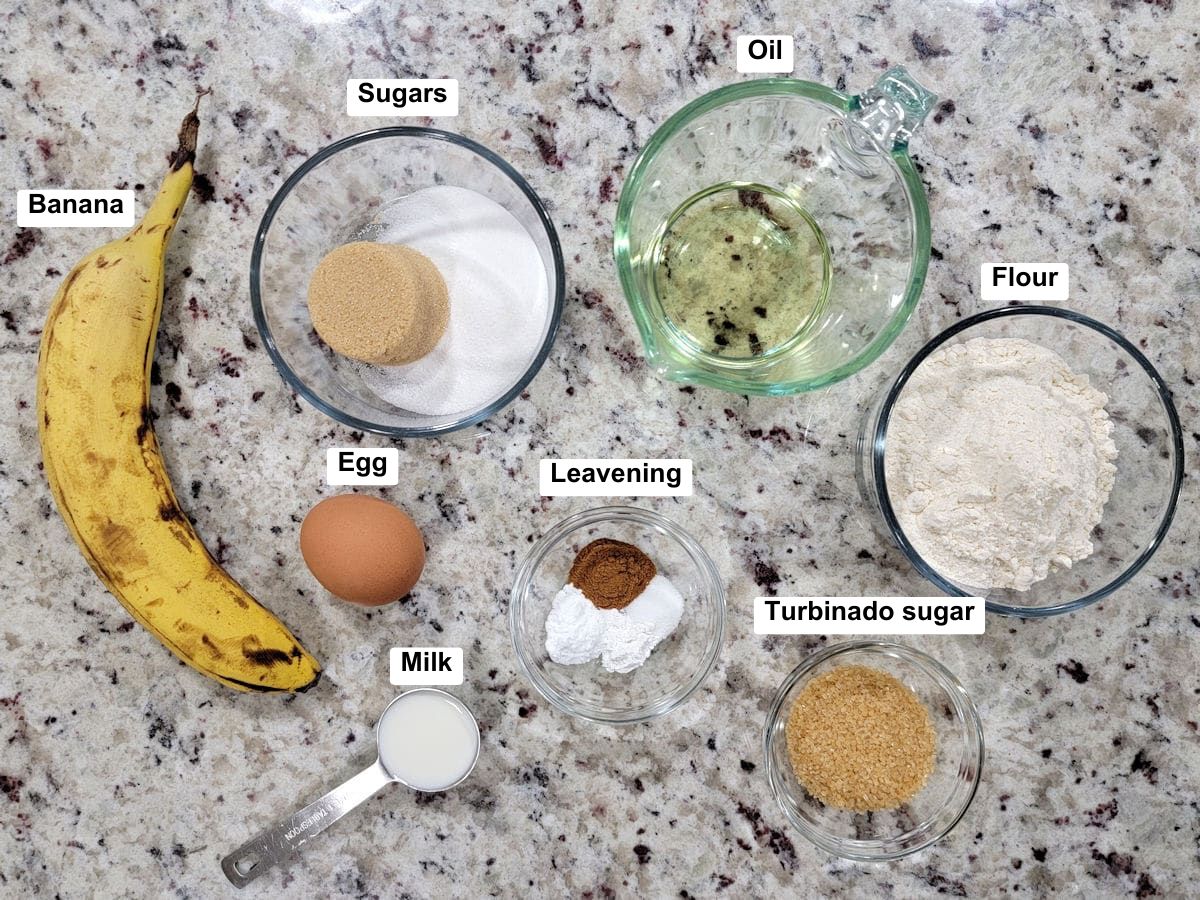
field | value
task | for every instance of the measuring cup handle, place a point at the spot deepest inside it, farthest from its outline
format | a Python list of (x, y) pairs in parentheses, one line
[(891, 110), (285, 837)]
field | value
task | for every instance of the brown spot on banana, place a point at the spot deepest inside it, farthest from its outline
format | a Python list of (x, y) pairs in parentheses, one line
[(265, 656), (122, 544), (103, 465), (218, 575), (184, 537), (262, 688), (66, 286), (145, 428), (113, 580), (213, 648)]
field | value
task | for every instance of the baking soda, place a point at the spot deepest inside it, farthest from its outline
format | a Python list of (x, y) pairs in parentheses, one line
[(499, 301)]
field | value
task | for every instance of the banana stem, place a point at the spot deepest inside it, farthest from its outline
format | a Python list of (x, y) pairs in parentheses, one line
[(185, 153), (164, 211)]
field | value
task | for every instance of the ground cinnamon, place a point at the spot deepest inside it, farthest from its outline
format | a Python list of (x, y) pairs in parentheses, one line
[(612, 574)]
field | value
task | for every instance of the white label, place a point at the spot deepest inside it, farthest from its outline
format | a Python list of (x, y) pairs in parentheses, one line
[(75, 209), (402, 97), (354, 465), (426, 665), (765, 53), (1026, 282), (869, 615), (615, 477)]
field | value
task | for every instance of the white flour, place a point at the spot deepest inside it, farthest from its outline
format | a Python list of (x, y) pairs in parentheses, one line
[(499, 301), (578, 632), (999, 462)]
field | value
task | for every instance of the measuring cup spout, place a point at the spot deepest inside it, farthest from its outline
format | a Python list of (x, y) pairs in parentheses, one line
[(892, 109)]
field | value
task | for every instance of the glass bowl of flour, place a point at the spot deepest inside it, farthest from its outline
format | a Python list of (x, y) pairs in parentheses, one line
[(675, 668), (466, 210), (1028, 455)]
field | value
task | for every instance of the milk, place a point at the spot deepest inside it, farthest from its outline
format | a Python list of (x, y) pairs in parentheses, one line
[(427, 740)]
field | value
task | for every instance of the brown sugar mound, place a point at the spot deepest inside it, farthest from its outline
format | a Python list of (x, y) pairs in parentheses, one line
[(385, 304), (612, 574), (859, 739)]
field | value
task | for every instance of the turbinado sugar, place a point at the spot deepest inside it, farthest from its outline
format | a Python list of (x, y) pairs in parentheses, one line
[(859, 739), (379, 303)]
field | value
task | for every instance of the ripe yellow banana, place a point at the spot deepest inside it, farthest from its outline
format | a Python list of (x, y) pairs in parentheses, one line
[(103, 464)]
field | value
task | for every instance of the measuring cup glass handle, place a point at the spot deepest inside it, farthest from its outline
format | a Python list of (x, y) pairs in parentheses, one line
[(892, 108), (286, 836)]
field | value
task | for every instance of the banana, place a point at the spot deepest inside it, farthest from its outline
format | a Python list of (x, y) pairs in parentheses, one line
[(106, 474)]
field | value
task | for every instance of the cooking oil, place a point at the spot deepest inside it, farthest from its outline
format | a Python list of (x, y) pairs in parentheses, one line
[(741, 270)]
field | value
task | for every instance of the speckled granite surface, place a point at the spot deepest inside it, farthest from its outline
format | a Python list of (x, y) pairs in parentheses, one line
[(1066, 131)]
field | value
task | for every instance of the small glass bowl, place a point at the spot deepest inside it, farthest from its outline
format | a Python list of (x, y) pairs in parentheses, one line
[(331, 200), (1146, 431), (676, 667), (937, 807)]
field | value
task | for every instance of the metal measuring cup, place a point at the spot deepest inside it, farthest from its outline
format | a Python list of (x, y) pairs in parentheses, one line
[(274, 845)]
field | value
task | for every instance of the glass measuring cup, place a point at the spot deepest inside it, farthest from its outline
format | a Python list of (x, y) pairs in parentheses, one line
[(398, 761), (773, 235)]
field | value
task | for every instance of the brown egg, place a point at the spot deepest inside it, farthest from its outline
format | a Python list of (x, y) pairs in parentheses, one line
[(362, 549)]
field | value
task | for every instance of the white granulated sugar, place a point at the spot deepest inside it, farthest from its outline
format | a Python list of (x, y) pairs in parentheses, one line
[(623, 639), (999, 462), (499, 301)]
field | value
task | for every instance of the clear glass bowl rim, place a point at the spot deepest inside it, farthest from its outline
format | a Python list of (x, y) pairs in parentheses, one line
[(290, 377), (524, 580), (966, 713), (744, 90), (879, 443)]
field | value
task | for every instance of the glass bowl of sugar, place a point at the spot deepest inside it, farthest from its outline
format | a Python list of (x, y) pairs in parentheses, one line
[(1029, 455), (855, 731), (674, 669), (466, 210)]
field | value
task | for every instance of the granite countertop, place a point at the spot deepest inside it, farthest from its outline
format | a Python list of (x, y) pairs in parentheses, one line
[(1065, 131)]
